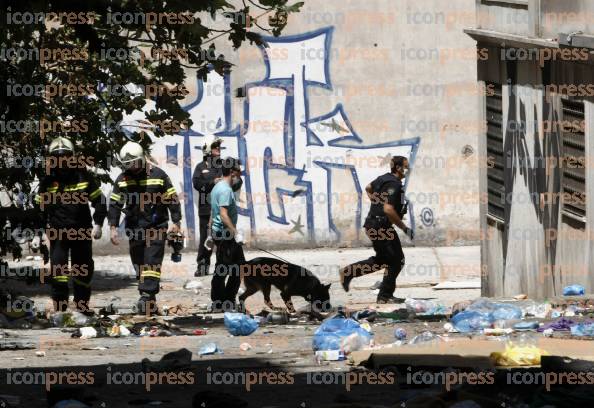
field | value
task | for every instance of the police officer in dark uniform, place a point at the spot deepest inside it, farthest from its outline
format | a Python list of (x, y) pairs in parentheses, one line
[(388, 207), (146, 196), (63, 199), (206, 174)]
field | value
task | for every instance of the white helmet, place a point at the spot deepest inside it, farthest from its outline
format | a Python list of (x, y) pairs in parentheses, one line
[(130, 153), (60, 146), (208, 143)]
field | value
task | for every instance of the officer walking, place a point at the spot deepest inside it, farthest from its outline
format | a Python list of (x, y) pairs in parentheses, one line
[(145, 195), (228, 240), (388, 206), (63, 199), (206, 174)]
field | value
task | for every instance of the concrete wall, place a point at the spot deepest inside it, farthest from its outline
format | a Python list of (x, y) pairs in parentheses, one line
[(355, 81)]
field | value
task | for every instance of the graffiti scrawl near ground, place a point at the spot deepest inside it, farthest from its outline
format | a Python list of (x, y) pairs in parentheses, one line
[(304, 175)]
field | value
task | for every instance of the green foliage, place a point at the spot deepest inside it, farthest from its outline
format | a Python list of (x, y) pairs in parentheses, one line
[(199, 26)]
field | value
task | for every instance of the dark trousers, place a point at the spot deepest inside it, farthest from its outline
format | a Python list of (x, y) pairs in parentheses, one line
[(226, 279), (388, 255), (80, 251), (147, 249), (203, 259)]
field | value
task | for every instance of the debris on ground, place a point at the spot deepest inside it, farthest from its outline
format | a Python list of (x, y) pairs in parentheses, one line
[(333, 331), (209, 348), (573, 290), (240, 324)]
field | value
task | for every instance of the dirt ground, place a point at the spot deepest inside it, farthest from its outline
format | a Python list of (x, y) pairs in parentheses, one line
[(275, 351)]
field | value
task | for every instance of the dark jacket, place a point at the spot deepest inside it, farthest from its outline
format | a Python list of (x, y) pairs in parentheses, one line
[(145, 199), (203, 180), (387, 188), (63, 199)]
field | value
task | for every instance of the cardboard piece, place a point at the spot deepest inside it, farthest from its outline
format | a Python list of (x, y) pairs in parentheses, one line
[(463, 352)]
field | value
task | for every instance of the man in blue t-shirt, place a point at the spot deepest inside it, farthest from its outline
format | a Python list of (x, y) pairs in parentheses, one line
[(226, 238)]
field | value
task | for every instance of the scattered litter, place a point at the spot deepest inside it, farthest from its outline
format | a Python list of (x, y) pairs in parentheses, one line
[(329, 355), (425, 308), (193, 284), (209, 348), (119, 331), (471, 284), (366, 314), (71, 319), (200, 332), (548, 332), (278, 317), (245, 346), (521, 296), (583, 329), (98, 348), (40, 353), (449, 327), (526, 325), (573, 290), (400, 333), (18, 358), (239, 324), (562, 324), (353, 342), (471, 321), (518, 355), (425, 337), (532, 308), (87, 333), (498, 332), (331, 332)]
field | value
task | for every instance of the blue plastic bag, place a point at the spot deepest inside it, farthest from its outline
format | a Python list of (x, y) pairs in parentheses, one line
[(471, 321), (330, 333), (496, 310), (582, 329), (573, 290), (239, 324)]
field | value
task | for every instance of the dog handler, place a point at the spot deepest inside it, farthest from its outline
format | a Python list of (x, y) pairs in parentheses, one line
[(388, 207)]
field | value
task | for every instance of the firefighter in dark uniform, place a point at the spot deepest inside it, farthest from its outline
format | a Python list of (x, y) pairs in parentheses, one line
[(144, 193), (388, 207), (63, 198), (206, 174)]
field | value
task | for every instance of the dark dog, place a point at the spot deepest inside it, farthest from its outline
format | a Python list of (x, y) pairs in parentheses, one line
[(260, 274)]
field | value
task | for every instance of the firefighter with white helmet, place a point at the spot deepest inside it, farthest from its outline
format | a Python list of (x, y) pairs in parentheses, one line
[(144, 193), (206, 174), (63, 199)]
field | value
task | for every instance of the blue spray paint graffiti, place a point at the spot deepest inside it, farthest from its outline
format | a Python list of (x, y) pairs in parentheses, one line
[(299, 167)]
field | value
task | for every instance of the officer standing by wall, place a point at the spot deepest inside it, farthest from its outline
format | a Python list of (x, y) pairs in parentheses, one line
[(63, 198), (146, 196), (388, 206), (206, 174)]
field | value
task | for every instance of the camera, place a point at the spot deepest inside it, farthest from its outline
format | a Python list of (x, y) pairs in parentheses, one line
[(176, 242)]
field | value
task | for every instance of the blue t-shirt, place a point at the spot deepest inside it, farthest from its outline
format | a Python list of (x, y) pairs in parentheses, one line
[(222, 196)]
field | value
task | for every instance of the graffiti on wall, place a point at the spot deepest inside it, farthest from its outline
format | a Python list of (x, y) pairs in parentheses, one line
[(304, 175)]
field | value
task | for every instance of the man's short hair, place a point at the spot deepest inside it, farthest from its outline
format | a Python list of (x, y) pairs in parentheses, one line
[(229, 164), (397, 161)]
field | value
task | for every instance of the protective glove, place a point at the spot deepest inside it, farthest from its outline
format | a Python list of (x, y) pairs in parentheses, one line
[(209, 243), (97, 232), (239, 238)]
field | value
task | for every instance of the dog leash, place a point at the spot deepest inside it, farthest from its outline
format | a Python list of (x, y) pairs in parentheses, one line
[(270, 253)]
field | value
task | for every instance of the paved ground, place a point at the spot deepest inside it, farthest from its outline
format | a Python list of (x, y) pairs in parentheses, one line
[(285, 346)]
